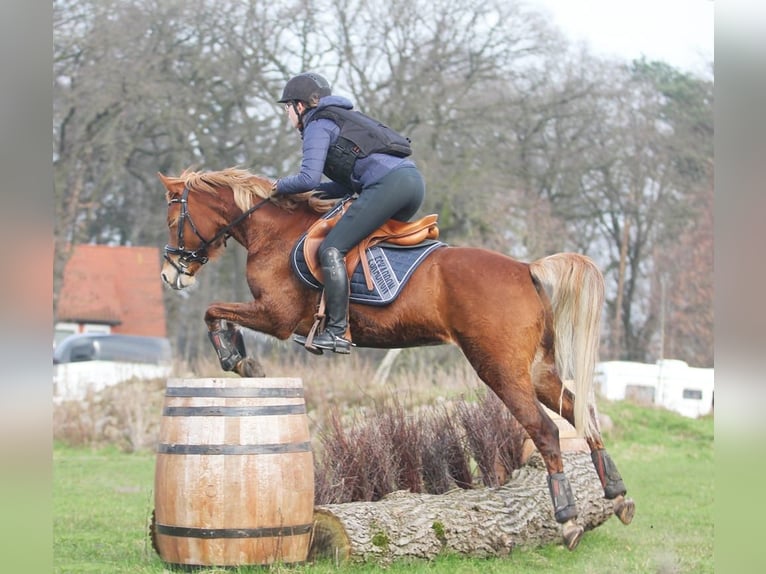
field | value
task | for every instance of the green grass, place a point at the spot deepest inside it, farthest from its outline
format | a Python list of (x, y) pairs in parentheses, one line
[(101, 504), (102, 501)]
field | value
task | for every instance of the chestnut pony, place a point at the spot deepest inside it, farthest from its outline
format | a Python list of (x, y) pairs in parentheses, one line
[(522, 326)]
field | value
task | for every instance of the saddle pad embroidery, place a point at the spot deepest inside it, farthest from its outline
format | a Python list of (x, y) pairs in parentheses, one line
[(391, 266)]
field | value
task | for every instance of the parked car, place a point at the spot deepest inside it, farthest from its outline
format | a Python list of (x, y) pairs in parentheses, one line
[(94, 361)]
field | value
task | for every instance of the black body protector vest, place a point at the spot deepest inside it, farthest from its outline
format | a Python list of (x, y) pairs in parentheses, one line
[(360, 136)]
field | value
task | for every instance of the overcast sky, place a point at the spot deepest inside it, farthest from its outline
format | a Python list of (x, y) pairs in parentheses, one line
[(679, 32)]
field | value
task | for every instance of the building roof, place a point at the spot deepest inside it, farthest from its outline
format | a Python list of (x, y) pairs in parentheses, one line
[(118, 286)]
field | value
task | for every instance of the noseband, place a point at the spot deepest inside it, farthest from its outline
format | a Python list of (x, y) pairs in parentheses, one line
[(185, 256)]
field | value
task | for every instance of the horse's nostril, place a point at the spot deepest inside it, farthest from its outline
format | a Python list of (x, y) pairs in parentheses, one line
[(165, 278)]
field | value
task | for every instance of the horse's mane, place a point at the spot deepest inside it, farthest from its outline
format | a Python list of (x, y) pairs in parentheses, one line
[(249, 187)]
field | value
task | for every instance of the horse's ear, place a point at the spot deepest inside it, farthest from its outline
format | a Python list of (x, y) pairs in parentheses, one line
[(164, 179), (171, 185)]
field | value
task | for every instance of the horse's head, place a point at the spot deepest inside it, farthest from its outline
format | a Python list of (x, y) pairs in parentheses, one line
[(191, 241), (219, 201)]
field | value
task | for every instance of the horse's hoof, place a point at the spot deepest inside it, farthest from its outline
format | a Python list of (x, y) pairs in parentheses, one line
[(624, 509), (572, 533), (249, 367)]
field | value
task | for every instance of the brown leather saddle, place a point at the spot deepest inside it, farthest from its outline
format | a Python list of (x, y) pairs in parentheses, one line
[(392, 232)]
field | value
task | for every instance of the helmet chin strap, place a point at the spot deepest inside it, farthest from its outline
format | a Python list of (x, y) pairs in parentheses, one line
[(300, 115)]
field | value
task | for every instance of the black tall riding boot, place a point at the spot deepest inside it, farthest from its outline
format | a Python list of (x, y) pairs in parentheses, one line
[(336, 304)]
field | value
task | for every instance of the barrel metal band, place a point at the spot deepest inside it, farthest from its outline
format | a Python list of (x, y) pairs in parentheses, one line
[(234, 449), (266, 532), (212, 411), (236, 393)]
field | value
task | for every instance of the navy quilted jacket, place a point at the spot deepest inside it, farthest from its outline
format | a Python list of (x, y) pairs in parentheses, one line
[(318, 136)]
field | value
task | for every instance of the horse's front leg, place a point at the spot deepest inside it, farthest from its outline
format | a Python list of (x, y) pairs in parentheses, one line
[(227, 340), (230, 347)]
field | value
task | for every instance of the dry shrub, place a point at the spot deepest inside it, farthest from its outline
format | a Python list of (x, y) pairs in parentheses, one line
[(445, 461), (495, 439), (350, 382), (345, 476), (370, 454), (405, 437), (126, 415)]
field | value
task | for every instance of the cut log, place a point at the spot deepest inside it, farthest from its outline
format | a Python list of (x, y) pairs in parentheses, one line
[(478, 522)]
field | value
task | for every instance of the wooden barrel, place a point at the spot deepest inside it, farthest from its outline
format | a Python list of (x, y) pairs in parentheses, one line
[(234, 476)]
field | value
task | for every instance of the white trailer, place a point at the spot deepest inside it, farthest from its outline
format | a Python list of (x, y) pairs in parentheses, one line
[(668, 383)]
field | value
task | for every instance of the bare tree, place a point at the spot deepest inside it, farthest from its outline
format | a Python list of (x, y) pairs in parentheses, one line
[(639, 199), (527, 147)]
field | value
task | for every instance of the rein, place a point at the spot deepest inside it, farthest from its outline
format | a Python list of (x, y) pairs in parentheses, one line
[(199, 255)]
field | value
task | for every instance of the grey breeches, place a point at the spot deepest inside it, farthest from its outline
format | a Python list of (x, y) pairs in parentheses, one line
[(397, 196)]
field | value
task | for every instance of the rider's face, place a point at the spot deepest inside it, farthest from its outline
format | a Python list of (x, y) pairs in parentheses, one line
[(293, 110)]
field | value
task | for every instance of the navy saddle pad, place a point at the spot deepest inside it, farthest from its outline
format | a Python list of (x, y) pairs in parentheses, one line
[(391, 266)]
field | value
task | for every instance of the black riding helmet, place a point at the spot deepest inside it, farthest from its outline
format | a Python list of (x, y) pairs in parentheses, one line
[(303, 87)]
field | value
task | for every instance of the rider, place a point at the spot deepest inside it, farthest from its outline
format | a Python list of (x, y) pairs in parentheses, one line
[(389, 187)]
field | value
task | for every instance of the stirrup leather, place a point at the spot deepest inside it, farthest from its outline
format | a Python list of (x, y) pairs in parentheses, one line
[(318, 330)]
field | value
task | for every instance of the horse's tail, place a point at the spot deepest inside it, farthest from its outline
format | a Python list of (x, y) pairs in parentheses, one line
[(576, 289)]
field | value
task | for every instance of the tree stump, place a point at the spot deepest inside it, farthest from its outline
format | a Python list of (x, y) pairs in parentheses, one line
[(478, 522)]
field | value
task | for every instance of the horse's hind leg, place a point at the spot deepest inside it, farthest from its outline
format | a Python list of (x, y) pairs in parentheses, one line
[(614, 488), (549, 388), (518, 395), (229, 345)]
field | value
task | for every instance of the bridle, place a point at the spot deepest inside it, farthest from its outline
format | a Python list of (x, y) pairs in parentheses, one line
[(185, 256)]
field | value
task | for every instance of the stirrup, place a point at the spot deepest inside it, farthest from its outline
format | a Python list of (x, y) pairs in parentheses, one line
[(329, 341), (301, 340)]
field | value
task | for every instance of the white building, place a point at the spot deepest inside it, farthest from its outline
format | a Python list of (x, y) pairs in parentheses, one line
[(669, 383)]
